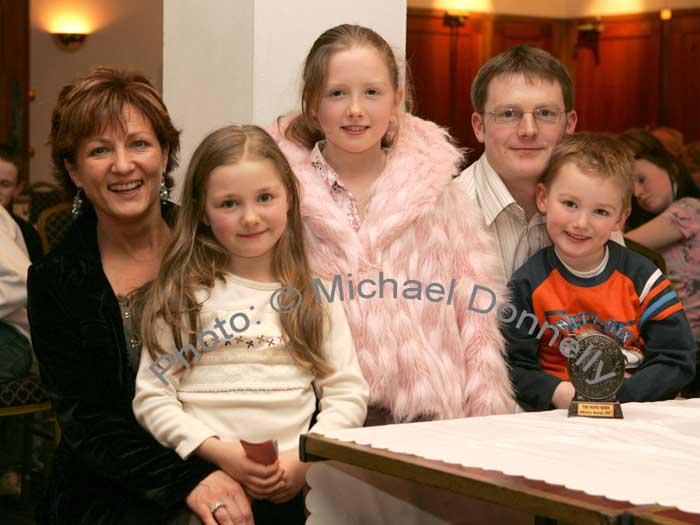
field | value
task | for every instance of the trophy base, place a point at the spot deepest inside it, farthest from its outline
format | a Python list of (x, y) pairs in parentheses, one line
[(587, 408)]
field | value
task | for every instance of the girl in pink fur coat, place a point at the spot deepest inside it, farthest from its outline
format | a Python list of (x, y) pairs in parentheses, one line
[(376, 197)]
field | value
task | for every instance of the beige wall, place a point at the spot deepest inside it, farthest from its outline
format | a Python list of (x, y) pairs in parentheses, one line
[(556, 8), (124, 33), (617, 7), (549, 8)]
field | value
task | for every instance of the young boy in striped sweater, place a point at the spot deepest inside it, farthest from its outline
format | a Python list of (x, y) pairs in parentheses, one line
[(585, 282)]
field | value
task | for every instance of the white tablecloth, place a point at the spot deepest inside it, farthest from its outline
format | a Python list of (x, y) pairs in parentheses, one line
[(652, 456)]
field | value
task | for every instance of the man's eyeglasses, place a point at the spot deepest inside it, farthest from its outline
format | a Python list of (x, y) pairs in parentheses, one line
[(513, 116)]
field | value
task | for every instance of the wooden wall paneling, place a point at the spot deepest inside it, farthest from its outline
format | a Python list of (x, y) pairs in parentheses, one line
[(14, 77), (469, 53), (511, 31), (683, 97), (622, 90), (664, 73), (443, 61), (428, 56), (564, 36)]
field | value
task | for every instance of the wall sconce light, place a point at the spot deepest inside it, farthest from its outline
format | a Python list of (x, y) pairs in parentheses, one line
[(589, 38), (69, 41), (454, 21), (591, 28), (666, 14), (70, 29)]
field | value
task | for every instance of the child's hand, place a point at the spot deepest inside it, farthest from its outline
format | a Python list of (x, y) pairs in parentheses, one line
[(563, 394), (258, 480), (294, 477)]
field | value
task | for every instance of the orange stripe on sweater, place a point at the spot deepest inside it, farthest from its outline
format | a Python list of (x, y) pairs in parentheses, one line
[(665, 313), (654, 292)]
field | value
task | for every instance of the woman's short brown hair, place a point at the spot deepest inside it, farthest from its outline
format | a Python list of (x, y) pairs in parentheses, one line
[(96, 102)]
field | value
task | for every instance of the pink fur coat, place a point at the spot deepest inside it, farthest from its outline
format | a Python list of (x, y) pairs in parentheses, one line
[(420, 358)]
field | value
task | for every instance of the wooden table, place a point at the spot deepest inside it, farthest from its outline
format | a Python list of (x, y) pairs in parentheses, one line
[(555, 504)]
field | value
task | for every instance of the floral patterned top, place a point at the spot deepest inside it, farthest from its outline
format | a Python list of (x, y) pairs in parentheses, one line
[(341, 195), (683, 258)]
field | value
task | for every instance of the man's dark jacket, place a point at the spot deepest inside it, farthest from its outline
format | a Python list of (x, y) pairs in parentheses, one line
[(106, 465)]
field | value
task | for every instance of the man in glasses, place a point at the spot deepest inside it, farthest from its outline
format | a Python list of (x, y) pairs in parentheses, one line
[(523, 101)]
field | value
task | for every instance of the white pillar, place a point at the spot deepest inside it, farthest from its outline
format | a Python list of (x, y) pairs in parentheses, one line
[(239, 61)]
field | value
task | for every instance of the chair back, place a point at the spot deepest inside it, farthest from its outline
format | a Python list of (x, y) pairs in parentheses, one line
[(43, 195), (53, 224), (22, 395), (650, 254)]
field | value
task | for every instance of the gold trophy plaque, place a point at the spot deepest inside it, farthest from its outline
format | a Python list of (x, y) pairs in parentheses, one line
[(596, 371)]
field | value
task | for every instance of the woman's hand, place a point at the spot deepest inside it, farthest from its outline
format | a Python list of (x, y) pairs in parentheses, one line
[(258, 480), (294, 477), (220, 487)]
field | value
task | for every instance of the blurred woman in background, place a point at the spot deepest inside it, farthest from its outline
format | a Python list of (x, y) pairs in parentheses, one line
[(666, 218)]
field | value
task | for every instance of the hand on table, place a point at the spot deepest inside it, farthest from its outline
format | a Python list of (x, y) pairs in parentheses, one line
[(294, 477), (220, 487)]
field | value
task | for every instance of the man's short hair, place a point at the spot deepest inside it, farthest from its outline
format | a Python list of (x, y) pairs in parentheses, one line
[(10, 155), (599, 154), (528, 60)]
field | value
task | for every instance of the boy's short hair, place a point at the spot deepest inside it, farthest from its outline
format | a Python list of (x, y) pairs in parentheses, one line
[(9, 155), (528, 60), (598, 154)]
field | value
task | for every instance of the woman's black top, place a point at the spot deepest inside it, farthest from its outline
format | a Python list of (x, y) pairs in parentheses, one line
[(106, 465)]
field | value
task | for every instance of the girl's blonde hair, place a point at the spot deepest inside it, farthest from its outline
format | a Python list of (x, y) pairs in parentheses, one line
[(195, 259), (305, 129)]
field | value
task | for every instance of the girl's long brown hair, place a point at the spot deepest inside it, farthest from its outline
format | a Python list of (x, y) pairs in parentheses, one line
[(194, 259), (305, 129)]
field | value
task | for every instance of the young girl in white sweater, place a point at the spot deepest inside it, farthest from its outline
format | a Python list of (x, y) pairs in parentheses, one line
[(219, 363)]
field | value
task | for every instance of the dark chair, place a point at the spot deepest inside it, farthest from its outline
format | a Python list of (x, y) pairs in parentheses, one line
[(25, 398), (43, 195), (650, 254), (53, 224)]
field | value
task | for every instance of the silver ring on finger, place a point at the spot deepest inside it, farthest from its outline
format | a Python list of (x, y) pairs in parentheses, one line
[(216, 506)]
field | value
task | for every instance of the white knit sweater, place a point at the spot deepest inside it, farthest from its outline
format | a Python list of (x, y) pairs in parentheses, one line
[(248, 387)]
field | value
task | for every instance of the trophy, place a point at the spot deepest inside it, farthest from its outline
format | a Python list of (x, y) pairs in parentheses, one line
[(596, 370)]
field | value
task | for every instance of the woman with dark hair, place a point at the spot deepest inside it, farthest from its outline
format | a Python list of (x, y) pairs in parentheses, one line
[(666, 218), (113, 147)]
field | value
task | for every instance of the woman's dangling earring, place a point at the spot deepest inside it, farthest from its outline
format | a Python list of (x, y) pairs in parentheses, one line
[(164, 192), (77, 204)]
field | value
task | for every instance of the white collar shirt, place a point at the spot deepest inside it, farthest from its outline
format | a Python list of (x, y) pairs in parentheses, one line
[(517, 238), (14, 264)]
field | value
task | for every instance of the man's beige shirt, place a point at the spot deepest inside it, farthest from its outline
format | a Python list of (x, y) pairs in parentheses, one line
[(14, 264), (504, 218)]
